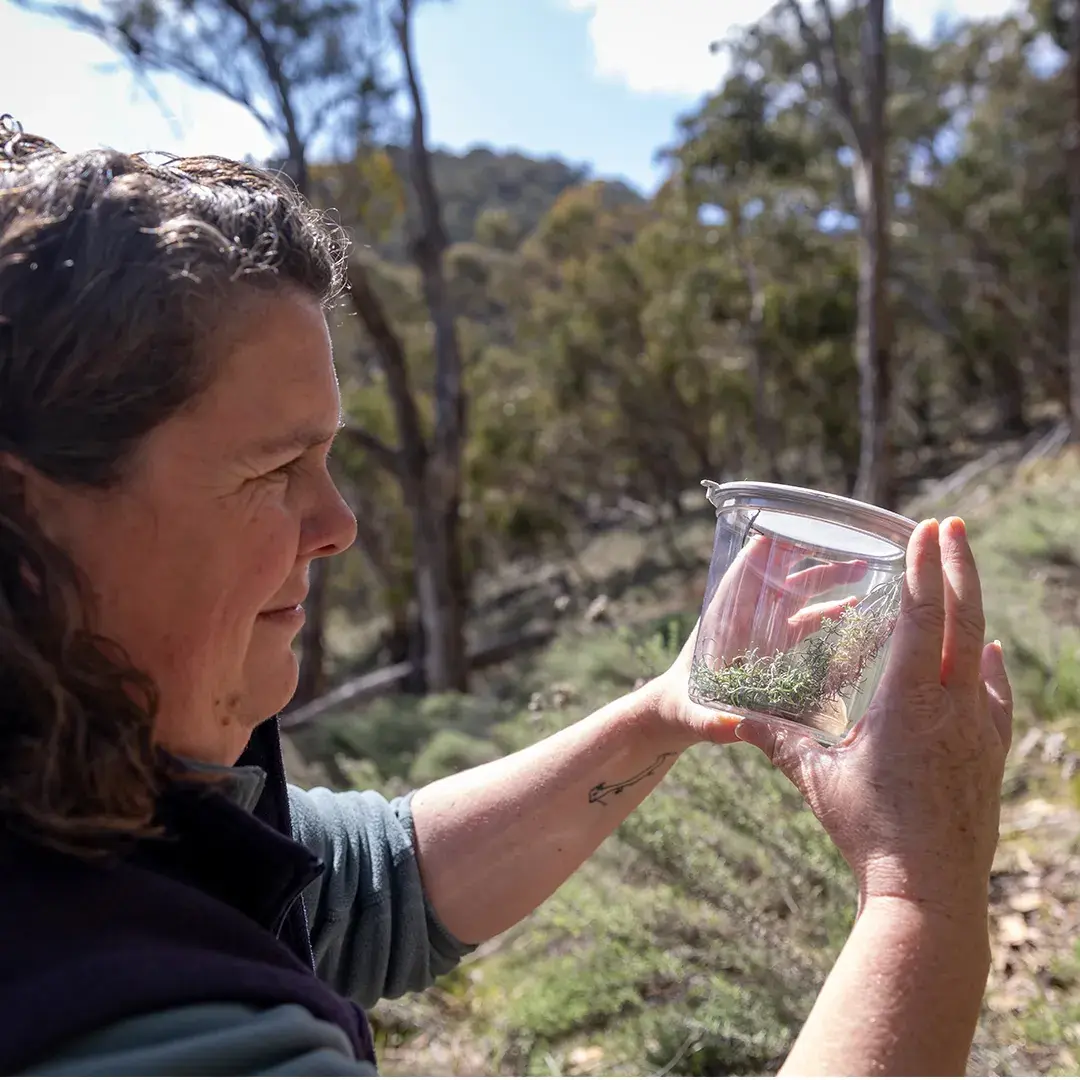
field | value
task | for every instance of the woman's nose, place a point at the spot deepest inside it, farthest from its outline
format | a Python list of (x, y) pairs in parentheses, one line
[(331, 528)]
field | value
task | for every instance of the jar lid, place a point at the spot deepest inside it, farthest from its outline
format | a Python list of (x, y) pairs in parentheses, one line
[(817, 518)]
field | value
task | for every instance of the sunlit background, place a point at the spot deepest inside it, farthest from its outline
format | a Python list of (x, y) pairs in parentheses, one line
[(594, 81)]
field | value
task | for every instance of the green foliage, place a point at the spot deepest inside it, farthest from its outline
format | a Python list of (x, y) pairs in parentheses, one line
[(1027, 538), (1053, 684), (1053, 1023), (391, 733), (363, 775), (498, 228), (618, 349), (494, 198), (450, 751)]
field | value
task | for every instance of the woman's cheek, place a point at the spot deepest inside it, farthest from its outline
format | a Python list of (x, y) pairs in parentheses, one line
[(273, 546)]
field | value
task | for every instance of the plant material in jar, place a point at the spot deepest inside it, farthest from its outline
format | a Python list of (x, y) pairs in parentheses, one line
[(802, 683)]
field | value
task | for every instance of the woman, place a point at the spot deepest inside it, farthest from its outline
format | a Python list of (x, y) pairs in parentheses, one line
[(167, 405)]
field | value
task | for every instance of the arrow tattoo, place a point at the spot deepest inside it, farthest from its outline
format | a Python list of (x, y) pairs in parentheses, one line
[(600, 792)]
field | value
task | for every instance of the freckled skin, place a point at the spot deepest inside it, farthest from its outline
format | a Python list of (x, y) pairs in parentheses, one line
[(209, 529)]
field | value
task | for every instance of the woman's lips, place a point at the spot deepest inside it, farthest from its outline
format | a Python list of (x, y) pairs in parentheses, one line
[(288, 616)]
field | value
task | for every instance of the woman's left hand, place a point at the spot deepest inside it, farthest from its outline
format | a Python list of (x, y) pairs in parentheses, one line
[(763, 566)]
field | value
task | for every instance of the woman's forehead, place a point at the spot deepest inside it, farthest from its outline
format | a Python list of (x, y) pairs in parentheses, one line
[(275, 383)]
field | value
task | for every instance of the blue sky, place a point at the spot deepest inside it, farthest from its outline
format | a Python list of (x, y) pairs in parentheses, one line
[(594, 81)]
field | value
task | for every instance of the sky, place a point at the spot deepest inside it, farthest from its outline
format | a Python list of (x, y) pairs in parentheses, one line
[(596, 82)]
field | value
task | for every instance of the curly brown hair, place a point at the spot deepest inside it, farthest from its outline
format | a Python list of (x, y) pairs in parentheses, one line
[(111, 267)]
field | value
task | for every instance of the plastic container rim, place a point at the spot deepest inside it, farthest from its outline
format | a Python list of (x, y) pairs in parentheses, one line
[(837, 509)]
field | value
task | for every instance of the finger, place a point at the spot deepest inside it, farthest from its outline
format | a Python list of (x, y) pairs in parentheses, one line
[(819, 579), (766, 554), (717, 726), (766, 560), (808, 620), (730, 587), (730, 612), (965, 624), (999, 691), (793, 754), (920, 629)]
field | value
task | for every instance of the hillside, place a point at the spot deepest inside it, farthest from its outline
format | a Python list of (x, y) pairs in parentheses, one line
[(694, 942), (519, 188)]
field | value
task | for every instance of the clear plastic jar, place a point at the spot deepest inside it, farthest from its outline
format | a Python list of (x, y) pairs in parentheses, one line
[(803, 594)]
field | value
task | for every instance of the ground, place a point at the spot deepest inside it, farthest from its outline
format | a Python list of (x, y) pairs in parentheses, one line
[(694, 941)]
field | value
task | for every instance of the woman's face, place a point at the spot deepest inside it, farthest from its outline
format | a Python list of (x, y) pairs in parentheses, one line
[(199, 559)]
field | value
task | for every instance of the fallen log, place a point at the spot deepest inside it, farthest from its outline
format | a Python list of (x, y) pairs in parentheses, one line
[(1015, 453), (375, 684)]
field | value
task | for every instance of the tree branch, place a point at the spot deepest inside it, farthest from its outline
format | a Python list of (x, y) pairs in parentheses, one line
[(841, 84), (282, 88), (142, 55), (429, 248), (384, 455), (412, 453), (825, 56)]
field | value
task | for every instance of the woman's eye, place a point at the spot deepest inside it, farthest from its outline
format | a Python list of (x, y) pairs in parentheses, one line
[(283, 472)]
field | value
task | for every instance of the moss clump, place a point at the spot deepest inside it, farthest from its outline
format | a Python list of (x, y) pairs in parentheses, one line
[(803, 682)]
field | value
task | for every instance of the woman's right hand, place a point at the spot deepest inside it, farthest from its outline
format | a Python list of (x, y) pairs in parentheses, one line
[(912, 796)]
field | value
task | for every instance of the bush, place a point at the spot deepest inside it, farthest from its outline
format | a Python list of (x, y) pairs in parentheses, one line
[(391, 732), (448, 752)]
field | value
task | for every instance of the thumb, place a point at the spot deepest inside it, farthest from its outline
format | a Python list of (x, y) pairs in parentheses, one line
[(793, 754), (998, 689)]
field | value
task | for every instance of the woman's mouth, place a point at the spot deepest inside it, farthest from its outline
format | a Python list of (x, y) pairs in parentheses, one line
[(285, 616)]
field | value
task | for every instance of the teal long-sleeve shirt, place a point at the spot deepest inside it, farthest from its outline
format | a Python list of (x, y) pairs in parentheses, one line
[(374, 934)]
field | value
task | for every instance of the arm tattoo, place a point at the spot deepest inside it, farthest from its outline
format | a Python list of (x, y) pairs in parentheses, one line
[(600, 793)]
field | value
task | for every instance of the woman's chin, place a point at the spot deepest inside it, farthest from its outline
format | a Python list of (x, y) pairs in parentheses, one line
[(272, 682)]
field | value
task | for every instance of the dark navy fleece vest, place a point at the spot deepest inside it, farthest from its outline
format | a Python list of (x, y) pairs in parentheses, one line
[(211, 913)]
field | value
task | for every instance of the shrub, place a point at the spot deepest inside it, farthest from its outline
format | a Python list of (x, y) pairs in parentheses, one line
[(450, 751)]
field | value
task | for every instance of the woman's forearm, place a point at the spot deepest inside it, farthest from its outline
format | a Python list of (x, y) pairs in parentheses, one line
[(903, 998), (496, 841)]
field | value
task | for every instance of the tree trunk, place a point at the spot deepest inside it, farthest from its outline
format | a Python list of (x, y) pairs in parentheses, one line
[(766, 432), (439, 596), (436, 559), (875, 481), (435, 501), (405, 645), (1073, 165), (1007, 387), (312, 681)]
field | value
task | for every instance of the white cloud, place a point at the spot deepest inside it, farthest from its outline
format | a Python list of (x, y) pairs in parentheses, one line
[(662, 46), (68, 87)]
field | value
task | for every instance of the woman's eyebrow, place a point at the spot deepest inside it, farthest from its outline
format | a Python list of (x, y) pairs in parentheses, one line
[(301, 438)]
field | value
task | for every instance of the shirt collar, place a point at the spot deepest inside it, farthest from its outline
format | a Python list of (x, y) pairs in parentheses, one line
[(241, 784)]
